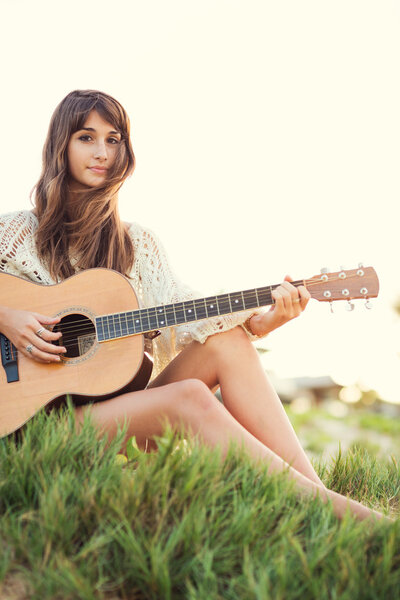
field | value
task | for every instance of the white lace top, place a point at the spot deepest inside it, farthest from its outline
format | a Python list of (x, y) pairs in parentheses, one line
[(152, 279)]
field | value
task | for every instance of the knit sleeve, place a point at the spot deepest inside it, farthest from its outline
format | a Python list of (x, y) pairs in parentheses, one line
[(10, 226), (18, 255), (160, 285)]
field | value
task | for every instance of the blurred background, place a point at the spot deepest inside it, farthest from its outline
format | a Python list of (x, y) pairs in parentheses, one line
[(267, 143)]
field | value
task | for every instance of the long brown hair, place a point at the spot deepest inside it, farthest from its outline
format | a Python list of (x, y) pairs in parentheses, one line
[(97, 234)]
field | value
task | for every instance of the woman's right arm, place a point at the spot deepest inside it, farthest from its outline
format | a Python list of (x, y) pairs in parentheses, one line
[(33, 331)]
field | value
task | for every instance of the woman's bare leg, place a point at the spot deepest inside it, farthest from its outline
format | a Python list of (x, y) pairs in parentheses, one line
[(190, 406), (230, 360)]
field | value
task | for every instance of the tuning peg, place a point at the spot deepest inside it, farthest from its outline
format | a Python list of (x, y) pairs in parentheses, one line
[(349, 306), (331, 306), (368, 304), (361, 265), (324, 273)]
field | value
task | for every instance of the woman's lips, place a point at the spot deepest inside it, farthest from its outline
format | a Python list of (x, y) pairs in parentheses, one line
[(100, 170)]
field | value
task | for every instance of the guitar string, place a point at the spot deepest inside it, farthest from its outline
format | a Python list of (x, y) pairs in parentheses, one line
[(75, 326), (309, 283)]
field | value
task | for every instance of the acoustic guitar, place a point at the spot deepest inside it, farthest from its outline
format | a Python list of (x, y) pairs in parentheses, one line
[(108, 336)]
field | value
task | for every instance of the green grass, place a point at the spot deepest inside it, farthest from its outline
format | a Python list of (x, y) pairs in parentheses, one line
[(182, 523), (380, 423), (321, 432)]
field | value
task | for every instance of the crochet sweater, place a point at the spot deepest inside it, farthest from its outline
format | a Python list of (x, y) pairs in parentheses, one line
[(151, 277)]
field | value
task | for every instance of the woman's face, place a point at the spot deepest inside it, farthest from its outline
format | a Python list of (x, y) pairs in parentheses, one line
[(91, 151)]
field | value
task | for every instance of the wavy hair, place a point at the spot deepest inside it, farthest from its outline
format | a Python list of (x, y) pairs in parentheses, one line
[(98, 236)]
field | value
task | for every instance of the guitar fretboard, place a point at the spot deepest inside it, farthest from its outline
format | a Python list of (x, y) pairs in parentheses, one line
[(142, 320)]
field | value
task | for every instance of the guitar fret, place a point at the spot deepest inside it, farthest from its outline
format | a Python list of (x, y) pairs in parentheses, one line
[(211, 306), (111, 327), (144, 320), (200, 307), (173, 305), (224, 304), (217, 303), (161, 316), (264, 296), (124, 326), (250, 299), (153, 323), (129, 322), (170, 317), (189, 314), (230, 303), (179, 312), (137, 322), (106, 328), (100, 329), (117, 323), (237, 304)]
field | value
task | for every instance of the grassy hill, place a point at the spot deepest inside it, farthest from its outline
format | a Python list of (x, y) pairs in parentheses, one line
[(181, 523)]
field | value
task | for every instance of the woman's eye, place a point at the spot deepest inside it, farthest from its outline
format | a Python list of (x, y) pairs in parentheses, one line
[(113, 141), (85, 138)]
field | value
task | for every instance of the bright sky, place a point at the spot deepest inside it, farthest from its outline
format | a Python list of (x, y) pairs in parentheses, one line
[(267, 142)]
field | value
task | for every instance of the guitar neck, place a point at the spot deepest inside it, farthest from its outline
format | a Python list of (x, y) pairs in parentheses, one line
[(326, 287), (167, 315)]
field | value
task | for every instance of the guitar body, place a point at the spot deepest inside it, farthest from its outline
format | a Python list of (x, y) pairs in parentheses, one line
[(90, 370)]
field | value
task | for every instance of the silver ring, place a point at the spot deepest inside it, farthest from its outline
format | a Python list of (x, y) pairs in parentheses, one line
[(29, 348), (296, 300), (40, 331)]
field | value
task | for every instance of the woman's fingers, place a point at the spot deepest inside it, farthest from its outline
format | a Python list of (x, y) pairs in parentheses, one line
[(289, 299), (39, 346), (289, 302), (36, 354), (304, 296), (45, 347), (47, 335), (46, 324), (32, 335)]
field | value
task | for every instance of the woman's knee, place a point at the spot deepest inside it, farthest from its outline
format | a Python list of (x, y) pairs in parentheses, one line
[(228, 342), (193, 395)]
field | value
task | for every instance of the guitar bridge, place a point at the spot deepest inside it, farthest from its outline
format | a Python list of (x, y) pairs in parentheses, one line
[(9, 359)]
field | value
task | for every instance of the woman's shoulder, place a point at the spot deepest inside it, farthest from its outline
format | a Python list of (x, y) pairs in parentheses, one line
[(141, 235)]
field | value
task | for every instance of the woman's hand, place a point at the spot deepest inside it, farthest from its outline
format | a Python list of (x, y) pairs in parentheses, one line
[(31, 334), (290, 301)]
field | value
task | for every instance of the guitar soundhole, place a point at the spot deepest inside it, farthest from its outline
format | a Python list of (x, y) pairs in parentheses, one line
[(78, 334)]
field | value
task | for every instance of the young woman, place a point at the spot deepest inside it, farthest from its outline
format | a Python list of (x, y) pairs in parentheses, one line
[(75, 225)]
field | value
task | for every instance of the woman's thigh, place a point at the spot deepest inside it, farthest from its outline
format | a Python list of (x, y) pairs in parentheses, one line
[(146, 413), (205, 361)]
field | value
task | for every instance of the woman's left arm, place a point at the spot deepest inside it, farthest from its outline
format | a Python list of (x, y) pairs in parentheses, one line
[(290, 301)]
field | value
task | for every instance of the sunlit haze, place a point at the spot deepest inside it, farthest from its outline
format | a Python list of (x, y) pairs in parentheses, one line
[(267, 142)]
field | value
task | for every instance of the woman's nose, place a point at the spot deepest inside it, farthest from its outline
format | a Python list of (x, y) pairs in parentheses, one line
[(100, 151)]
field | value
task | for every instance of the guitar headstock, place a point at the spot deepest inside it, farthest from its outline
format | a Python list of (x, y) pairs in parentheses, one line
[(344, 285)]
